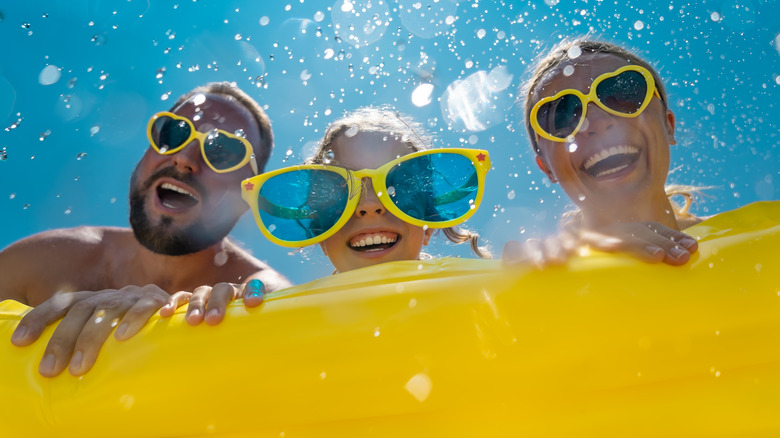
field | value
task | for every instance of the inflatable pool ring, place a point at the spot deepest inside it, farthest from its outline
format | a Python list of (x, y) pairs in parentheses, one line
[(604, 346)]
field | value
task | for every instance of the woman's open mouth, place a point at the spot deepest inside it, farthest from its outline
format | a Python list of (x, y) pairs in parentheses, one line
[(610, 161)]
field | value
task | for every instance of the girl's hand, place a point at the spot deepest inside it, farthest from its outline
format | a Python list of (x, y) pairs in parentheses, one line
[(209, 303)]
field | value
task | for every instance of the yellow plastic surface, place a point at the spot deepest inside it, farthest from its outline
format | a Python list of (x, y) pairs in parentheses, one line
[(605, 346)]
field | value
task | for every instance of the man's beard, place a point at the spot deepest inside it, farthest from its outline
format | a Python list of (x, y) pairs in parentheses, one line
[(165, 238)]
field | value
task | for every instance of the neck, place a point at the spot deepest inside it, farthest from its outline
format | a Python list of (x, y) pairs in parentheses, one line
[(177, 273), (653, 208)]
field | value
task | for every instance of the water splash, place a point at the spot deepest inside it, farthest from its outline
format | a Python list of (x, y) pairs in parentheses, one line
[(49, 75)]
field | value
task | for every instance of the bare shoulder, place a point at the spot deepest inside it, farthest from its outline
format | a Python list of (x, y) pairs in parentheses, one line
[(33, 266), (247, 267)]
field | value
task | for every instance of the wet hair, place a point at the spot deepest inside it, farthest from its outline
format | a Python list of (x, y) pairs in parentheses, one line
[(409, 132), (232, 92), (560, 54)]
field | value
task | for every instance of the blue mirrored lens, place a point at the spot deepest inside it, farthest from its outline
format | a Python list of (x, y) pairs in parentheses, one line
[(302, 204), (624, 93), (434, 187)]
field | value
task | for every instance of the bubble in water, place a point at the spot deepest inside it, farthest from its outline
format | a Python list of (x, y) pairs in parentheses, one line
[(49, 75), (568, 70), (574, 52), (305, 75), (638, 25), (329, 53), (481, 33), (81, 156), (319, 16), (510, 195), (264, 21), (715, 16)]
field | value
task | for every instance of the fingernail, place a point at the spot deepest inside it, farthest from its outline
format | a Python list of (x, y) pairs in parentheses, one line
[(75, 361), (47, 364), (213, 312), (677, 252), (652, 250), (120, 331), (254, 288), (19, 334), (687, 242)]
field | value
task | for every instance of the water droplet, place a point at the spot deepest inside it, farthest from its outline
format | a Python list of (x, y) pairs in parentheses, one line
[(264, 21), (3, 154), (49, 75), (239, 133), (377, 332), (81, 156), (25, 25), (25, 206), (68, 211), (329, 53), (127, 401), (238, 37), (260, 81), (572, 147), (305, 75), (481, 33), (323, 375), (272, 228), (419, 386), (99, 40), (346, 6), (351, 132), (160, 73), (328, 157), (112, 200), (94, 130), (568, 70), (581, 197), (72, 82), (412, 303), (510, 195), (220, 258), (638, 25), (574, 52), (715, 16), (319, 16), (44, 134), (391, 191)]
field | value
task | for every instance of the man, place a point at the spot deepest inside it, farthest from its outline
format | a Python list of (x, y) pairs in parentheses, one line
[(184, 200)]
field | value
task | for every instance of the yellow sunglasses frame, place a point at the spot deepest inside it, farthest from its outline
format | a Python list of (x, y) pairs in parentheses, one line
[(592, 97), (251, 186), (249, 156)]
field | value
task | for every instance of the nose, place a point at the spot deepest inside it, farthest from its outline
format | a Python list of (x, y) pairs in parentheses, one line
[(369, 204), (188, 159), (597, 121)]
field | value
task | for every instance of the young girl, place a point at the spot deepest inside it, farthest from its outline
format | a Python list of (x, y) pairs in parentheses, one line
[(372, 193), (599, 123)]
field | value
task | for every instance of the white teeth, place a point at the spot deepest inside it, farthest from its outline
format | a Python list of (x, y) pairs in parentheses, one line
[(614, 150), (169, 186), (374, 239)]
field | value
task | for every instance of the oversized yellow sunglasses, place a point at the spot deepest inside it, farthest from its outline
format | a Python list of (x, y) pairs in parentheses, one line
[(625, 92), (222, 151), (303, 205)]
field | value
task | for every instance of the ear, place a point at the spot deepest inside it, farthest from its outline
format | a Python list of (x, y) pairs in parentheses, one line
[(427, 236), (546, 169), (670, 127)]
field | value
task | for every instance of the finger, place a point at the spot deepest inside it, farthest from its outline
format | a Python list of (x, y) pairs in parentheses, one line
[(36, 320), (62, 343), (197, 307), (221, 295), (138, 315), (555, 253), (174, 302), (641, 243), (93, 335), (253, 293)]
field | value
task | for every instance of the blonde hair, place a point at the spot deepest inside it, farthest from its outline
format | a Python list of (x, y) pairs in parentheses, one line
[(409, 132)]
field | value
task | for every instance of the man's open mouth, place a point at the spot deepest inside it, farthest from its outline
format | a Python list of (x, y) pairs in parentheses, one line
[(175, 197)]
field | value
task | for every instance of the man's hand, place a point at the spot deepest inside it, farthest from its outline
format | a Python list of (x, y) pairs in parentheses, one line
[(88, 319), (207, 303)]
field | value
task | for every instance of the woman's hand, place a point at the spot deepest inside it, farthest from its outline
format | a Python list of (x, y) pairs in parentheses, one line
[(209, 303)]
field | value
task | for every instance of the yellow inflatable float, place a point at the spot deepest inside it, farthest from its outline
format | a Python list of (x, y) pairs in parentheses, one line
[(605, 346)]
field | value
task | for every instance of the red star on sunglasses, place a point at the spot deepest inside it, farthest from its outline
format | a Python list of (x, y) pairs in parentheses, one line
[(249, 185), (481, 157)]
